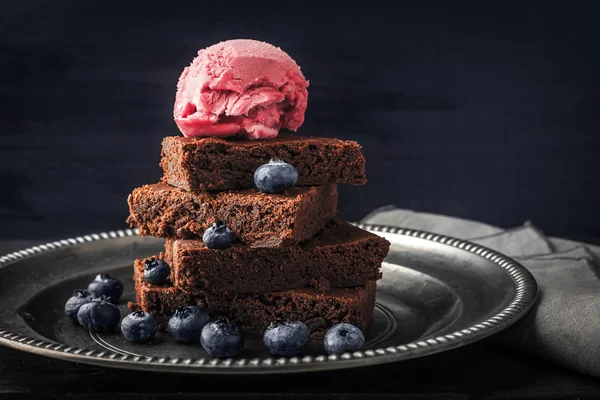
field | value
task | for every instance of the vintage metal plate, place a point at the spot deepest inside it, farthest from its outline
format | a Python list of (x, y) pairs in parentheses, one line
[(437, 293)]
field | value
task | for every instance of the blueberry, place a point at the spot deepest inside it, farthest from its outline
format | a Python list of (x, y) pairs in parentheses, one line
[(79, 298), (221, 338), (186, 324), (156, 271), (286, 338), (218, 236), (139, 327), (343, 338), (275, 177), (99, 315), (106, 285)]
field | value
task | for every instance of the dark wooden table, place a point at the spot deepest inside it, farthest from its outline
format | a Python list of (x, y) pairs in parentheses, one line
[(477, 371), (482, 370)]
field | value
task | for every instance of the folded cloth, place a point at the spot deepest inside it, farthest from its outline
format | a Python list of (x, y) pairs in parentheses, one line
[(564, 324)]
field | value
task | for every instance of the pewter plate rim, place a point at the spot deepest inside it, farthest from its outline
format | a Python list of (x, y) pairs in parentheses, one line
[(525, 288)]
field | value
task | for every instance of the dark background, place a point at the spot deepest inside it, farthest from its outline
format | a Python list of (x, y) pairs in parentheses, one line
[(483, 112), (480, 111)]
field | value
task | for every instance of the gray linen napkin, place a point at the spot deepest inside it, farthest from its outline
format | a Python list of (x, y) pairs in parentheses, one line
[(564, 324)]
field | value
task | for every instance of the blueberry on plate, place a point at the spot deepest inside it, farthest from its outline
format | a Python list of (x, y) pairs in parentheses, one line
[(221, 338), (79, 298), (106, 285), (156, 271), (286, 338), (139, 327), (99, 315), (275, 177), (343, 338), (218, 236), (186, 323)]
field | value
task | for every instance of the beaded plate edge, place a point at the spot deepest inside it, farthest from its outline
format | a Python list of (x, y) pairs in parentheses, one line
[(525, 295)]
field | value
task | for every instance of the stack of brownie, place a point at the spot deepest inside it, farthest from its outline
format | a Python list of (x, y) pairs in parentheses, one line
[(292, 257)]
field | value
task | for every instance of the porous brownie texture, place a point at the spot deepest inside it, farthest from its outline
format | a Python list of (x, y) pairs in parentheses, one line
[(256, 219), (340, 256), (255, 311), (202, 164)]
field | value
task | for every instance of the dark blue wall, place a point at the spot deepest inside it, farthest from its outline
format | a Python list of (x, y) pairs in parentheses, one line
[(483, 113)]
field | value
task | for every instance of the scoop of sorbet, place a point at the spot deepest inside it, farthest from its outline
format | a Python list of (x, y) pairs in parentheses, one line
[(240, 87)]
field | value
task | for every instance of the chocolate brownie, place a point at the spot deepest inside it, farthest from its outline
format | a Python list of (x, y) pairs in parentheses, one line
[(256, 219), (342, 255), (255, 311), (201, 164)]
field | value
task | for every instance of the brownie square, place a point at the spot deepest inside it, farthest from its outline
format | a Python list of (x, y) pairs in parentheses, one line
[(202, 164), (256, 219), (340, 256), (255, 311)]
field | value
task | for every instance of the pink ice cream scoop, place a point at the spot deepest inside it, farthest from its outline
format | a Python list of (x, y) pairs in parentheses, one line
[(240, 87)]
